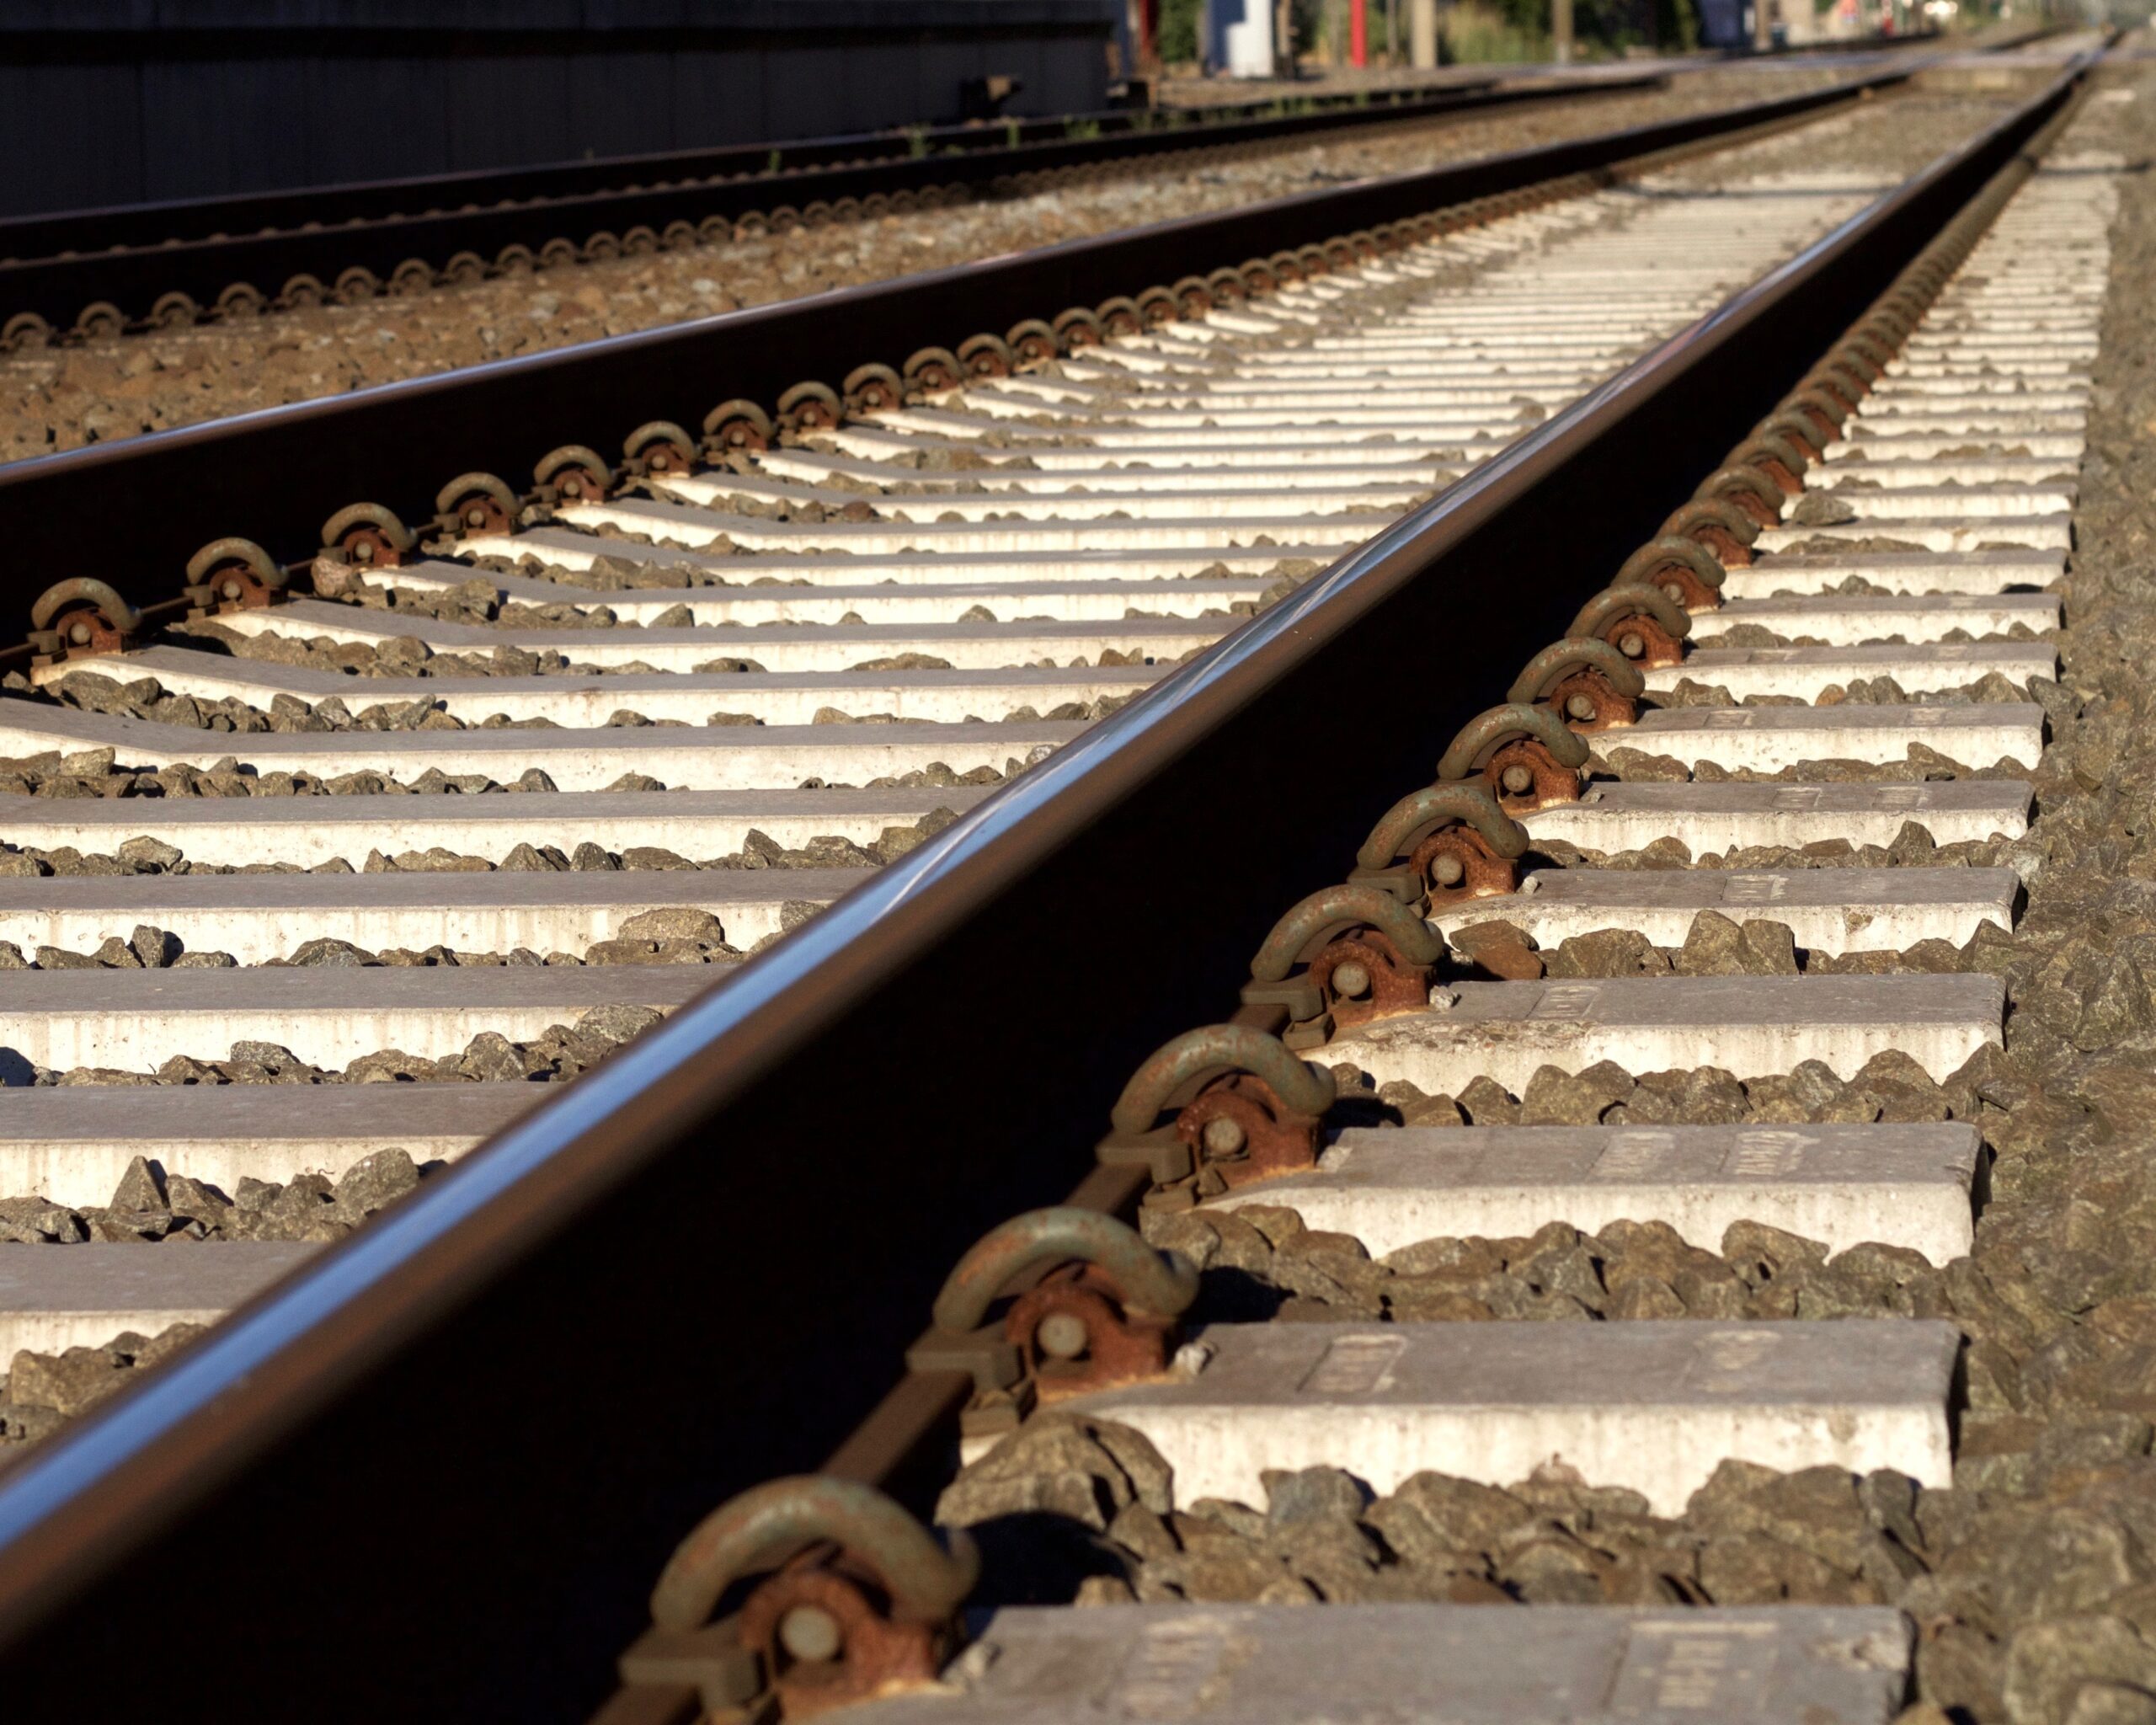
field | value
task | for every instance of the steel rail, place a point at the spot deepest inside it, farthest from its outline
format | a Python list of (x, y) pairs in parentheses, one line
[(774, 160), (395, 443), (696, 1268), (25, 238), (58, 287)]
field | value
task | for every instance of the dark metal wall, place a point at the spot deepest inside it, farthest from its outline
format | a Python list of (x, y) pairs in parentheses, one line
[(105, 102)]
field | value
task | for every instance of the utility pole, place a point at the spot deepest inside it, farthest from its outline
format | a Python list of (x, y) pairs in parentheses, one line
[(1422, 34), (1560, 29)]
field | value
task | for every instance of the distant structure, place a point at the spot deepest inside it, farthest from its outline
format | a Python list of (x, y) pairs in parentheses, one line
[(175, 98)]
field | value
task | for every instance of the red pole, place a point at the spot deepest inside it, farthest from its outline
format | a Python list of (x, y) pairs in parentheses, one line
[(1358, 34)]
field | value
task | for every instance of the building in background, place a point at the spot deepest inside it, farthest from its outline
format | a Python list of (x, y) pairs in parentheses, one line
[(174, 98)]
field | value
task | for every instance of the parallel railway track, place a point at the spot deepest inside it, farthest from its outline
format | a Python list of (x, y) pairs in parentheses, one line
[(95, 274), (100, 273), (536, 774)]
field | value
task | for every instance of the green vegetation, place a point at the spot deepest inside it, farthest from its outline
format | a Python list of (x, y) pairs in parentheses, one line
[(1179, 29)]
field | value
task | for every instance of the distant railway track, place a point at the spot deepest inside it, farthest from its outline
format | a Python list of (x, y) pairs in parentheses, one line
[(101, 273), (1164, 593)]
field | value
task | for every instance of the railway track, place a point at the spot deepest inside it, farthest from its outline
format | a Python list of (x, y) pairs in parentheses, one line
[(538, 773), (93, 274), (97, 274)]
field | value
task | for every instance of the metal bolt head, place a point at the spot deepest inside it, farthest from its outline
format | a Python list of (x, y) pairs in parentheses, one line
[(1351, 980), (1446, 869), (1579, 707), (1632, 645), (572, 486), (1061, 1335), (811, 1635), (229, 588), (362, 550), (1224, 1135), (1517, 780), (1675, 593), (475, 517), (79, 633)]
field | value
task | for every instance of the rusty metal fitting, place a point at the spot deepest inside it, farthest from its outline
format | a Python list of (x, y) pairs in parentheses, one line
[(1797, 429), (985, 356), (1641, 623), (1525, 756), (1686, 572), (572, 474), (1844, 374), (872, 389), (1193, 298), (1822, 408), (1287, 267), (1852, 353), (234, 574), (1119, 316), (1589, 684), (358, 284), (1075, 327), (1223, 1096), (1259, 275), (1341, 957), (1227, 287), (1722, 530), (932, 371), (735, 426), (1750, 489), (367, 534), (658, 448), (174, 310), (1314, 260), (1442, 844), (476, 502), (810, 407), (1776, 457), (99, 320), (1884, 328), (1031, 342), (80, 619), (1861, 343), (26, 331), (1840, 393), (1095, 1304), (856, 1598), (1156, 305)]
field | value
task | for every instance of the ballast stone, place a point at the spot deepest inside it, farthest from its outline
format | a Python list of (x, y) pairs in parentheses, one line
[(1459, 1664)]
